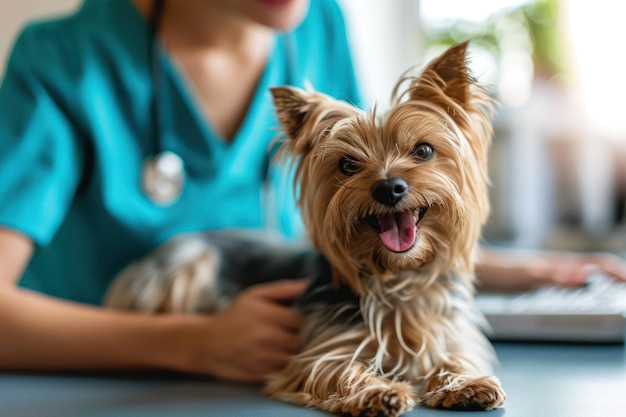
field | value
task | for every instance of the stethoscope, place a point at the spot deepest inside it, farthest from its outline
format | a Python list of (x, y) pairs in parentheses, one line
[(163, 174)]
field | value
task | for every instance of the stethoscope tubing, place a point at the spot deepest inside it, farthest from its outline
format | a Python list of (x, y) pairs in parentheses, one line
[(163, 174)]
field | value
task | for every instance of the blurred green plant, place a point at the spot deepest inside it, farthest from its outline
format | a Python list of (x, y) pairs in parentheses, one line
[(532, 27)]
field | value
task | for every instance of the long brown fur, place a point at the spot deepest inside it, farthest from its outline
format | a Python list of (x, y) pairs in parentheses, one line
[(400, 327), (417, 337)]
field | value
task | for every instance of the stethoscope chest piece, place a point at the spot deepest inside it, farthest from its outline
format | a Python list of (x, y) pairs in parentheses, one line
[(163, 178)]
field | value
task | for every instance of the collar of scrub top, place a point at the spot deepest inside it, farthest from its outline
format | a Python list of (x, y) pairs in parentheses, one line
[(163, 174)]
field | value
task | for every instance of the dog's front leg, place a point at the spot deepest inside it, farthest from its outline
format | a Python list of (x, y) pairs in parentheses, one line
[(331, 375), (463, 379), (451, 387)]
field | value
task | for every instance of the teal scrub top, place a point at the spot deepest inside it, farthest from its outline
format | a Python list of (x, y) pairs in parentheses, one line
[(75, 129)]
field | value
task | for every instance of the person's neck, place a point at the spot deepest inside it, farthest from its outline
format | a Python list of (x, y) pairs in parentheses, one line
[(202, 25)]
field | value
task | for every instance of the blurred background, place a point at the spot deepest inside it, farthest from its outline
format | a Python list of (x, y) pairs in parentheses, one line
[(558, 160)]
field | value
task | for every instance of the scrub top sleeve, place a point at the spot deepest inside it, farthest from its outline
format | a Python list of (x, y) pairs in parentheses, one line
[(40, 159)]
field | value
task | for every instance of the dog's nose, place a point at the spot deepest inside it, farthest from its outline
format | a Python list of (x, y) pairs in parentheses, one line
[(390, 192)]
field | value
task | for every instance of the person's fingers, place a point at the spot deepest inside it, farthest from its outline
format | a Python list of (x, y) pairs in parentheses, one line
[(612, 265), (257, 365), (285, 317), (271, 361), (580, 274), (568, 274), (262, 355), (283, 341), (581, 267), (285, 290), (266, 316)]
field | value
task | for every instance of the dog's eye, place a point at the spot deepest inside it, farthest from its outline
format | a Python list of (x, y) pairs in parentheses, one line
[(348, 166), (423, 152)]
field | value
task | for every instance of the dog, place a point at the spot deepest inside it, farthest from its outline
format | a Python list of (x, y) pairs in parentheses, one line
[(393, 206)]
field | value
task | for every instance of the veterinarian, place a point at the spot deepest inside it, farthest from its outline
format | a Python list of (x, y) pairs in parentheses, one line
[(131, 121), (111, 142)]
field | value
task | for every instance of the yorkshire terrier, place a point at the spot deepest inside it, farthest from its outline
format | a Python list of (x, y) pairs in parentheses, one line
[(394, 206)]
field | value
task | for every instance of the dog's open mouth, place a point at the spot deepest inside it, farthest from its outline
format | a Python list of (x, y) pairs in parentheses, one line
[(397, 231)]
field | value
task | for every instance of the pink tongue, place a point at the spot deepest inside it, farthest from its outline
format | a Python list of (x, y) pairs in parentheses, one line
[(397, 231)]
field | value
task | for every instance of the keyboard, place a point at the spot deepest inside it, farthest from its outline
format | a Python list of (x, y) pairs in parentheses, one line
[(594, 313)]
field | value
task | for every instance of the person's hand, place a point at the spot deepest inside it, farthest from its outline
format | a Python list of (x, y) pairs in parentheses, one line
[(521, 271), (255, 336)]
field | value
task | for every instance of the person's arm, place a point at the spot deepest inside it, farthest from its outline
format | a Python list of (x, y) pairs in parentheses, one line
[(512, 270), (245, 342)]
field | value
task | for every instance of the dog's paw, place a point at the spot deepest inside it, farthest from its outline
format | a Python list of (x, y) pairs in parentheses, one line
[(484, 393), (390, 400)]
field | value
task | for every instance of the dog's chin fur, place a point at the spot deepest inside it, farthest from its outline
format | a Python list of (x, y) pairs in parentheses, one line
[(397, 325)]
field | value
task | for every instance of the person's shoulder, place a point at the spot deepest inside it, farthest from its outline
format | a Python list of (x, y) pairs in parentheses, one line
[(64, 45), (93, 18), (46, 44), (39, 39)]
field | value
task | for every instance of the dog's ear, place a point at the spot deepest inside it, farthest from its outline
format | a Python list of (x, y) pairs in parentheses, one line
[(307, 117), (292, 106), (447, 74)]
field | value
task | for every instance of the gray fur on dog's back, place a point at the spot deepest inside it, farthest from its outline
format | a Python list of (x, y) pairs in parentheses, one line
[(202, 272)]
